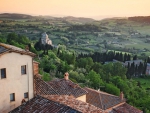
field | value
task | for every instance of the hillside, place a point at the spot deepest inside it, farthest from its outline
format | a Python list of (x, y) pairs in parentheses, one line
[(78, 19), (143, 19), (15, 16), (83, 34), (82, 48), (25, 16)]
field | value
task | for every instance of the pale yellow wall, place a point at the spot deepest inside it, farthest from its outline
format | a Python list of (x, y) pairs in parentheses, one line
[(14, 81), (82, 98)]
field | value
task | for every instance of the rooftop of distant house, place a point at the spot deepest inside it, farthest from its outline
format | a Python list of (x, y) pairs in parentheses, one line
[(58, 87), (101, 99), (67, 87), (135, 61), (126, 108), (74, 103), (106, 101), (5, 48)]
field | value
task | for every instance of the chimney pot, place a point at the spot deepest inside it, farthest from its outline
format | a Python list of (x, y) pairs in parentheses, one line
[(121, 96), (66, 76)]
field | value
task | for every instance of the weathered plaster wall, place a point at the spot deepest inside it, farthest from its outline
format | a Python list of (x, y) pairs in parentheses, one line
[(82, 98), (15, 82)]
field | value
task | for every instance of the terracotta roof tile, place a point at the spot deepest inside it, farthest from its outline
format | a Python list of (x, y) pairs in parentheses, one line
[(67, 87), (101, 99), (42, 88), (10, 48), (126, 108), (40, 104), (74, 103)]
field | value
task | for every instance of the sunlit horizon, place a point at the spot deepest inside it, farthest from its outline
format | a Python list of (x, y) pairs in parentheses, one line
[(96, 9)]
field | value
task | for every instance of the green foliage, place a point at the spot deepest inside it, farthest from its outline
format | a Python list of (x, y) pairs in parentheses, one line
[(45, 76), (79, 77), (95, 79), (13, 38), (86, 63), (114, 69), (121, 84), (97, 67), (67, 56), (86, 69), (110, 88), (2, 39)]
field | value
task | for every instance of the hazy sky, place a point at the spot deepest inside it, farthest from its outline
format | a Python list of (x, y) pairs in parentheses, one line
[(79, 8)]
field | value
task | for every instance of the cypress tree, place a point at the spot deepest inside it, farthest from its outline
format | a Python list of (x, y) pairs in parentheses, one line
[(129, 57)]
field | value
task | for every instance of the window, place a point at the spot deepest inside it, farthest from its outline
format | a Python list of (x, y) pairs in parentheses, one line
[(3, 73), (23, 69), (12, 97), (26, 95)]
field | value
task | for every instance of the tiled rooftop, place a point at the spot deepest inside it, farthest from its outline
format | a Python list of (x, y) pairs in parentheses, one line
[(40, 104), (42, 88), (101, 99), (10, 48), (74, 103), (126, 108), (67, 87), (3, 49)]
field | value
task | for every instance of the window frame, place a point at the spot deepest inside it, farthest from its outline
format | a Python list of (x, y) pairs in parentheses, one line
[(23, 69), (26, 95), (4, 76), (13, 96)]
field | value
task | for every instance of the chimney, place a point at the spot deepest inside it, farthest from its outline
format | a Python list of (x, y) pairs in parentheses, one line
[(121, 96), (66, 76)]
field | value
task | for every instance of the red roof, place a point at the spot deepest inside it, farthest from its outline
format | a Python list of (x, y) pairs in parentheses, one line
[(67, 87), (101, 99), (74, 103), (40, 104), (42, 88), (105, 101), (126, 108)]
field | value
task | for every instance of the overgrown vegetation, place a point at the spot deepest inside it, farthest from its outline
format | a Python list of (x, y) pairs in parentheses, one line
[(83, 51)]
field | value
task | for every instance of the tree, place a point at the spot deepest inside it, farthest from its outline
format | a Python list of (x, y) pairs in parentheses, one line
[(132, 69), (135, 57), (86, 63), (95, 79), (110, 88), (97, 67), (119, 69), (128, 57)]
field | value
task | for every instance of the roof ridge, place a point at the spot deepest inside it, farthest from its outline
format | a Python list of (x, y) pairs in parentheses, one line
[(132, 106), (101, 92), (12, 48), (51, 87), (79, 86), (67, 103), (4, 45), (46, 83)]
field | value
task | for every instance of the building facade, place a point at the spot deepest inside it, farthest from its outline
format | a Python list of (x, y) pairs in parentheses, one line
[(16, 77), (148, 69)]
